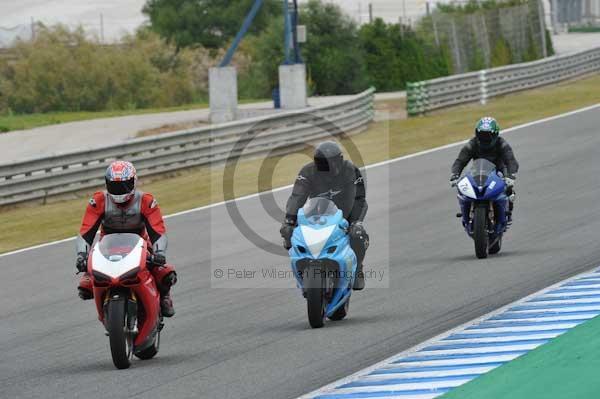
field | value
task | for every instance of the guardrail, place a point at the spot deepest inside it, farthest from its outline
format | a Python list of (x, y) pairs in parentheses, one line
[(42, 177), (479, 86)]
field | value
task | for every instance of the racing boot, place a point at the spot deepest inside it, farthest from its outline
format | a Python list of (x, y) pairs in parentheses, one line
[(166, 305), (359, 281), (166, 302), (511, 206), (84, 289)]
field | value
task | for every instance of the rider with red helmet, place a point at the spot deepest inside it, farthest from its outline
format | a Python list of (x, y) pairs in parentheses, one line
[(123, 209)]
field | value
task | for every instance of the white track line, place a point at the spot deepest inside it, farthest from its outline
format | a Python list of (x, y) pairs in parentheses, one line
[(375, 165), (424, 374)]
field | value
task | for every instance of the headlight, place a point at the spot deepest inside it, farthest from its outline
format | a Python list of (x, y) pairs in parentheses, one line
[(130, 274), (100, 277)]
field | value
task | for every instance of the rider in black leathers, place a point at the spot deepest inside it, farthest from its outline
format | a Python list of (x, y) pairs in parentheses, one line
[(489, 145), (332, 177)]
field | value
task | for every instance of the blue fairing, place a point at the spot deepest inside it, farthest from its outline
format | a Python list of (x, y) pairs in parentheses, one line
[(336, 248), (493, 190), (494, 187)]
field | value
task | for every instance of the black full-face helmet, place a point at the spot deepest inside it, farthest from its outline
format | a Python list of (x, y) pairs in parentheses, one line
[(329, 158)]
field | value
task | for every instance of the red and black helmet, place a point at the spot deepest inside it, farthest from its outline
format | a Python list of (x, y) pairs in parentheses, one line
[(121, 180)]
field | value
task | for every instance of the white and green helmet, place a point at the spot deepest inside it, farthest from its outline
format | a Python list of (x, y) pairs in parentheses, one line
[(487, 131)]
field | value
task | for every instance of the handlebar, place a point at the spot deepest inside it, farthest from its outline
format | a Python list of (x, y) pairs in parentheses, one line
[(154, 260)]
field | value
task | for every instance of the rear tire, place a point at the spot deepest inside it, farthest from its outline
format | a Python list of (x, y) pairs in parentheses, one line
[(121, 342), (341, 312), (314, 284), (147, 353), (494, 249), (480, 234), (152, 350)]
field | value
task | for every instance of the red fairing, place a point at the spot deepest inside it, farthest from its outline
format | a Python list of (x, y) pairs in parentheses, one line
[(146, 293), (148, 296)]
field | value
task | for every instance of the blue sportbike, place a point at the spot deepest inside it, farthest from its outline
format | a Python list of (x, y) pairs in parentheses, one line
[(323, 261), (484, 206)]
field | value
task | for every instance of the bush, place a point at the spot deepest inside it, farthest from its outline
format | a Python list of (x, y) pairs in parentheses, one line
[(61, 70), (549, 46), (395, 55), (501, 54)]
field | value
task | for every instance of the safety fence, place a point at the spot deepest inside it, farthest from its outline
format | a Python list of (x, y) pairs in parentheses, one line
[(479, 86), (283, 132)]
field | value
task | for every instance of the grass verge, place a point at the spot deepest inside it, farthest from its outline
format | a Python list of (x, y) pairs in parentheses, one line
[(10, 123), (27, 225)]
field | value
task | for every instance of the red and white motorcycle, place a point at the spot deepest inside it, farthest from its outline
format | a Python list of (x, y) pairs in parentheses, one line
[(126, 295)]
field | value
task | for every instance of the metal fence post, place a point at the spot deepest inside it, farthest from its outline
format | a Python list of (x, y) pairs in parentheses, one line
[(483, 87), (456, 47), (542, 28)]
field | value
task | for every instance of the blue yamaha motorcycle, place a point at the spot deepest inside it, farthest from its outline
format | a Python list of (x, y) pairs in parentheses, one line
[(484, 206), (323, 261)]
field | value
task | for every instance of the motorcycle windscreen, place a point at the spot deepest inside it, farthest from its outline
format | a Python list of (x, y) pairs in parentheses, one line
[(317, 209), (117, 254), (480, 170), (115, 247)]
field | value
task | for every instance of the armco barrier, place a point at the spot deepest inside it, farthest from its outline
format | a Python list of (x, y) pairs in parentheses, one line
[(479, 86), (41, 177)]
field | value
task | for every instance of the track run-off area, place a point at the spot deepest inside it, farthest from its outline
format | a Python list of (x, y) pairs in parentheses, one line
[(255, 342)]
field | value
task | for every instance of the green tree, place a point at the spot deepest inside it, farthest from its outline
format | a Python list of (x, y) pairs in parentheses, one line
[(332, 52), (381, 56), (266, 54), (210, 23), (395, 54)]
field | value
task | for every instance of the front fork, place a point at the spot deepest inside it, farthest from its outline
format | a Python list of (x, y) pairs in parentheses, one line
[(131, 308), (496, 214)]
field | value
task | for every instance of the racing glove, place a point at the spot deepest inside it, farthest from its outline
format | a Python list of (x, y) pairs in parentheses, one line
[(454, 180), (81, 262), (286, 231), (157, 259), (357, 229), (510, 180)]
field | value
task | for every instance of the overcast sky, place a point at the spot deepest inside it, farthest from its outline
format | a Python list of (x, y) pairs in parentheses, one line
[(125, 15)]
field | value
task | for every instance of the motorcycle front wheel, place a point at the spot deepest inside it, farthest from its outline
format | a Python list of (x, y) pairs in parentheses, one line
[(480, 233), (314, 284), (121, 342)]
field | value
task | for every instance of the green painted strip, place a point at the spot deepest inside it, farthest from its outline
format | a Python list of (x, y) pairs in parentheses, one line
[(566, 367)]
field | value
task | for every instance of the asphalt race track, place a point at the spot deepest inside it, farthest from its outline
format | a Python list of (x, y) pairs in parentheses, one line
[(255, 342)]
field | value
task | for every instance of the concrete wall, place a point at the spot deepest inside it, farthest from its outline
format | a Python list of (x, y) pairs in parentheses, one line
[(223, 94), (292, 86)]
